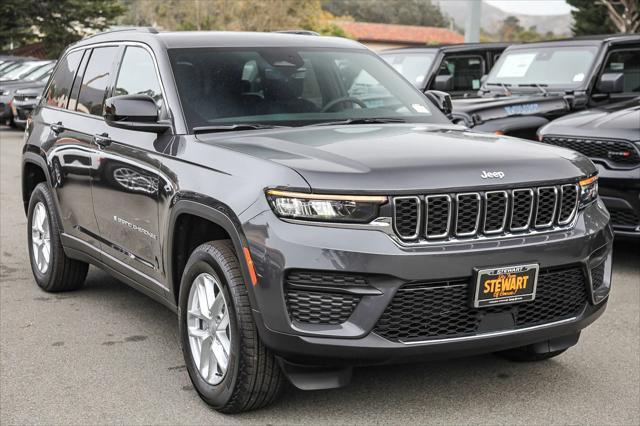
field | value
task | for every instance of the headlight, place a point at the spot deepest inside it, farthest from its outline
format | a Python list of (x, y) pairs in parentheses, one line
[(323, 207), (588, 191)]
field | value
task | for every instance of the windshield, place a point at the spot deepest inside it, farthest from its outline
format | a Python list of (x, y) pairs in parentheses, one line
[(40, 73), (293, 87), (548, 66), (413, 66), (22, 71)]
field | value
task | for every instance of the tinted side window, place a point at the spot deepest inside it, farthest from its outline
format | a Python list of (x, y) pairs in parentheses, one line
[(60, 87), (138, 75), (466, 71), (95, 80), (626, 62)]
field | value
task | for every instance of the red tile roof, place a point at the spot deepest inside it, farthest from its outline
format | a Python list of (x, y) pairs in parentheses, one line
[(406, 34)]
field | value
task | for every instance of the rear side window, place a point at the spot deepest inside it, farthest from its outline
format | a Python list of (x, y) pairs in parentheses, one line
[(95, 80), (60, 87), (138, 76), (467, 71), (626, 62)]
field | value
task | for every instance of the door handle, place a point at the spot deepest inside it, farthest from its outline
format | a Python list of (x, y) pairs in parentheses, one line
[(103, 140), (57, 127)]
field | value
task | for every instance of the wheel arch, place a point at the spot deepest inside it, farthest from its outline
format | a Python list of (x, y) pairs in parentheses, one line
[(222, 224), (34, 171)]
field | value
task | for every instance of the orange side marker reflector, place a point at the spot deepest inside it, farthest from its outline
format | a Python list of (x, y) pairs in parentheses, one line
[(585, 182), (252, 270)]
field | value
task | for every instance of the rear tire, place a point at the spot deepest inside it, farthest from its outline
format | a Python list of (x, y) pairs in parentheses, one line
[(52, 269), (251, 378), (525, 354)]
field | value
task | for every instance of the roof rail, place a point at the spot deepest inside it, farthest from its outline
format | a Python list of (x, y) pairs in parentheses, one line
[(150, 30), (298, 32)]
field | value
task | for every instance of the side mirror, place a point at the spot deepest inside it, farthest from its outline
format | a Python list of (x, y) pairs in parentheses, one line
[(611, 82), (441, 100), (443, 83), (134, 112), (483, 79)]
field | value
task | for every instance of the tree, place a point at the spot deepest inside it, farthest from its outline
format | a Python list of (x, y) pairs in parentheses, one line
[(57, 23), (590, 17), (404, 12), (234, 15), (625, 14)]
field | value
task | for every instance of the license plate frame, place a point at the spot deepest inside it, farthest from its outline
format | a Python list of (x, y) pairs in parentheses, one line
[(505, 296)]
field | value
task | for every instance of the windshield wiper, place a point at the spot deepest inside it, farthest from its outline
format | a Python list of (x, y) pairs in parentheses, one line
[(360, 121), (504, 86), (540, 87), (233, 128)]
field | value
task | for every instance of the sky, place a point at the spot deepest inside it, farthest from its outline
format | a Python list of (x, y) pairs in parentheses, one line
[(532, 7)]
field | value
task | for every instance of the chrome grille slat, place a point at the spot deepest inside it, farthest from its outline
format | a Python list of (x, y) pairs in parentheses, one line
[(520, 206), (467, 213), (438, 218), (406, 225), (433, 205), (544, 215), (568, 203), (495, 211)]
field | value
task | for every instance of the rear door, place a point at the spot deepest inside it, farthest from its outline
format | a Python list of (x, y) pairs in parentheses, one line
[(129, 183), (69, 155)]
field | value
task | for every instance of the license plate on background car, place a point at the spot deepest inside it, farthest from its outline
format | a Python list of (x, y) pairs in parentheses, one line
[(505, 284)]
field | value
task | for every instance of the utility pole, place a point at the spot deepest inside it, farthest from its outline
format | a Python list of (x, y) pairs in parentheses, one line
[(472, 26)]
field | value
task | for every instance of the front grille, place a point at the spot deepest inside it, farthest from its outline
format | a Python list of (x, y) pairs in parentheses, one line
[(490, 213), (314, 297), (624, 217), (313, 307), (617, 151), (423, 311)]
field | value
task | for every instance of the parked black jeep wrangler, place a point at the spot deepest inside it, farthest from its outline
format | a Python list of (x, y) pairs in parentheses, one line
[(457, 69), (534, 83), (303, 209)]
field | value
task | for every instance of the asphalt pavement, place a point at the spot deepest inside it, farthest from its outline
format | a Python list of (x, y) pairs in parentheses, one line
[(107, 354)]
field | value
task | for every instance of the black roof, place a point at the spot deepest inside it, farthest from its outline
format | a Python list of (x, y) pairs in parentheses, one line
[(593, 40), (180, 39), (459, 47)]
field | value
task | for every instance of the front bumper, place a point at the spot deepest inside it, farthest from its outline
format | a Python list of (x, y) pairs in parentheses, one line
[(620, 192), (278, 247)]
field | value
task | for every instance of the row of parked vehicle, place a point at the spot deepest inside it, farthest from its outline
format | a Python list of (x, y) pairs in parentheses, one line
[(581, 93), (21, 82)]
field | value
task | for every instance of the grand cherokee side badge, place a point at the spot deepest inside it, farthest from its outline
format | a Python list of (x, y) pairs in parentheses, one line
[(491, 175)]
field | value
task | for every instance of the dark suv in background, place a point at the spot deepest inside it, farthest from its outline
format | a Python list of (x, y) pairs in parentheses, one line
[(534, 83), (457, 69), (304, 209), (610, 137)]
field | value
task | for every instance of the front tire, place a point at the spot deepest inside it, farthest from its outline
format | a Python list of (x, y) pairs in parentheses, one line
[(52, 269), (228, 365)]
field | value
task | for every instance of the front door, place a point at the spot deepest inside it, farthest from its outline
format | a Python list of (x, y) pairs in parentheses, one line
[(128, 184)]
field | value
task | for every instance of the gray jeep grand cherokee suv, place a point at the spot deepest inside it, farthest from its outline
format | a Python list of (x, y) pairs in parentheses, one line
[(304, 209)]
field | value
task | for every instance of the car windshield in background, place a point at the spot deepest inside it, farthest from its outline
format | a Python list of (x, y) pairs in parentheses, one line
[(293, 87), (23, 71), (548, 66), (413, 66), (40, 73)]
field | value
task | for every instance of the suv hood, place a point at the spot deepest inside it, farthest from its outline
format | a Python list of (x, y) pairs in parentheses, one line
[(618, 121), (393, 158), (485, 109)]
